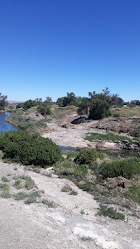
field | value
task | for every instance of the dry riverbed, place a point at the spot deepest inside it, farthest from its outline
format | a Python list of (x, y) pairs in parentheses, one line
[(63, 221)]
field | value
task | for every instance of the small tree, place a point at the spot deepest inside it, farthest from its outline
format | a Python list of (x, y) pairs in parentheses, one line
[(84, 107), (3, 101), (100, 104), (45, 107)]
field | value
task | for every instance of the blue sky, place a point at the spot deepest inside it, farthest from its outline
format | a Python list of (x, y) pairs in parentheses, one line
[(51, 47)]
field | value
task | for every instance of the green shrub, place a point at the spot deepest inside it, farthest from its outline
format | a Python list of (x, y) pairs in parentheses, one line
[(18, 184), (126, 168), (68, 189), (50, 204), (4, 179), (5, 191), (134, 193), (135, 132), (29, 149), (20, 196), (110, 212), (29, 183), (87, 156), (30, 199), (109, 136)]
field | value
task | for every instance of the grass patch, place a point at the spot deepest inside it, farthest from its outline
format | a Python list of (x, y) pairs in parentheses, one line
[(18, 184), (69, 190), (125, 111), (50, 204), (20, 196), (5, 191), (30, 199), (134, 193), (4, 179), (29, 183), (110, 212), (109, 137), (4, 186)]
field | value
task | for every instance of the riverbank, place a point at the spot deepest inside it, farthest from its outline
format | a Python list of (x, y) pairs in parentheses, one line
[(74, 136), (64, 128)]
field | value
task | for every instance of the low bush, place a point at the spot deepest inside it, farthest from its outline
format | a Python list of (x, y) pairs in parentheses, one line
[(126, 168), (68, 189), (50, 204), (29, 149), (20, 196), (135, 132), (88, 156), (4, 179), (110, 212), (5, 191), (134, 193)]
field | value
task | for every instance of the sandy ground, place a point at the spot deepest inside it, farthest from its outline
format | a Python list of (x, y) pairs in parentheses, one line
[(72, 224)]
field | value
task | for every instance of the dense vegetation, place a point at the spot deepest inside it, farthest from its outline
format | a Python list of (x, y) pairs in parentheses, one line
[(96, 106), (126, 168), (29, 149), (44, 107)]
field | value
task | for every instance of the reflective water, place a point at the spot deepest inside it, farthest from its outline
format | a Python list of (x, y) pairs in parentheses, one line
[(4, 126)]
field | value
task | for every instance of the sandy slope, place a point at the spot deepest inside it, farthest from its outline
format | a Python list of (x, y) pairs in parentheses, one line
[(72, 224)]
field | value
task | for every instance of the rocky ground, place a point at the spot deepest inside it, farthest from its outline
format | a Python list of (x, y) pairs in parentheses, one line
[(66, 134), (71, 223)]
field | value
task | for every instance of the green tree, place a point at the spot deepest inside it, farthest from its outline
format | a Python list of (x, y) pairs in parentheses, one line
[(84, 106), (3, 101), (100, 104), (45, 107)]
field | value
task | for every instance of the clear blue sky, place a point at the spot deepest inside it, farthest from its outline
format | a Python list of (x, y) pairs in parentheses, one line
[(51, 47)]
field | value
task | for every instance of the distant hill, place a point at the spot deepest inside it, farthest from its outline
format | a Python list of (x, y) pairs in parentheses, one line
[(15, 101)]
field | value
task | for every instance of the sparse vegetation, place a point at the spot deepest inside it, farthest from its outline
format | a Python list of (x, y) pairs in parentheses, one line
[(69, 190), (50, 204), (29, 183), (110, 212), (18, 184), (134, 193), (125, 111), (20, 196), (30, 199), (5, 191), (4, 179)]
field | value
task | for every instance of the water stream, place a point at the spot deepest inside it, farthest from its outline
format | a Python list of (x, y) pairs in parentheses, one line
[(5, 126)]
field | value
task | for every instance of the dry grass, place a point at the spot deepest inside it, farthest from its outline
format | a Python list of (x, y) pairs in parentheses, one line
[(126, 111)]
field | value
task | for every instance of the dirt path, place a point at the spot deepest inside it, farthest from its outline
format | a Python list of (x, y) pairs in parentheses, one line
[(72, 224)]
